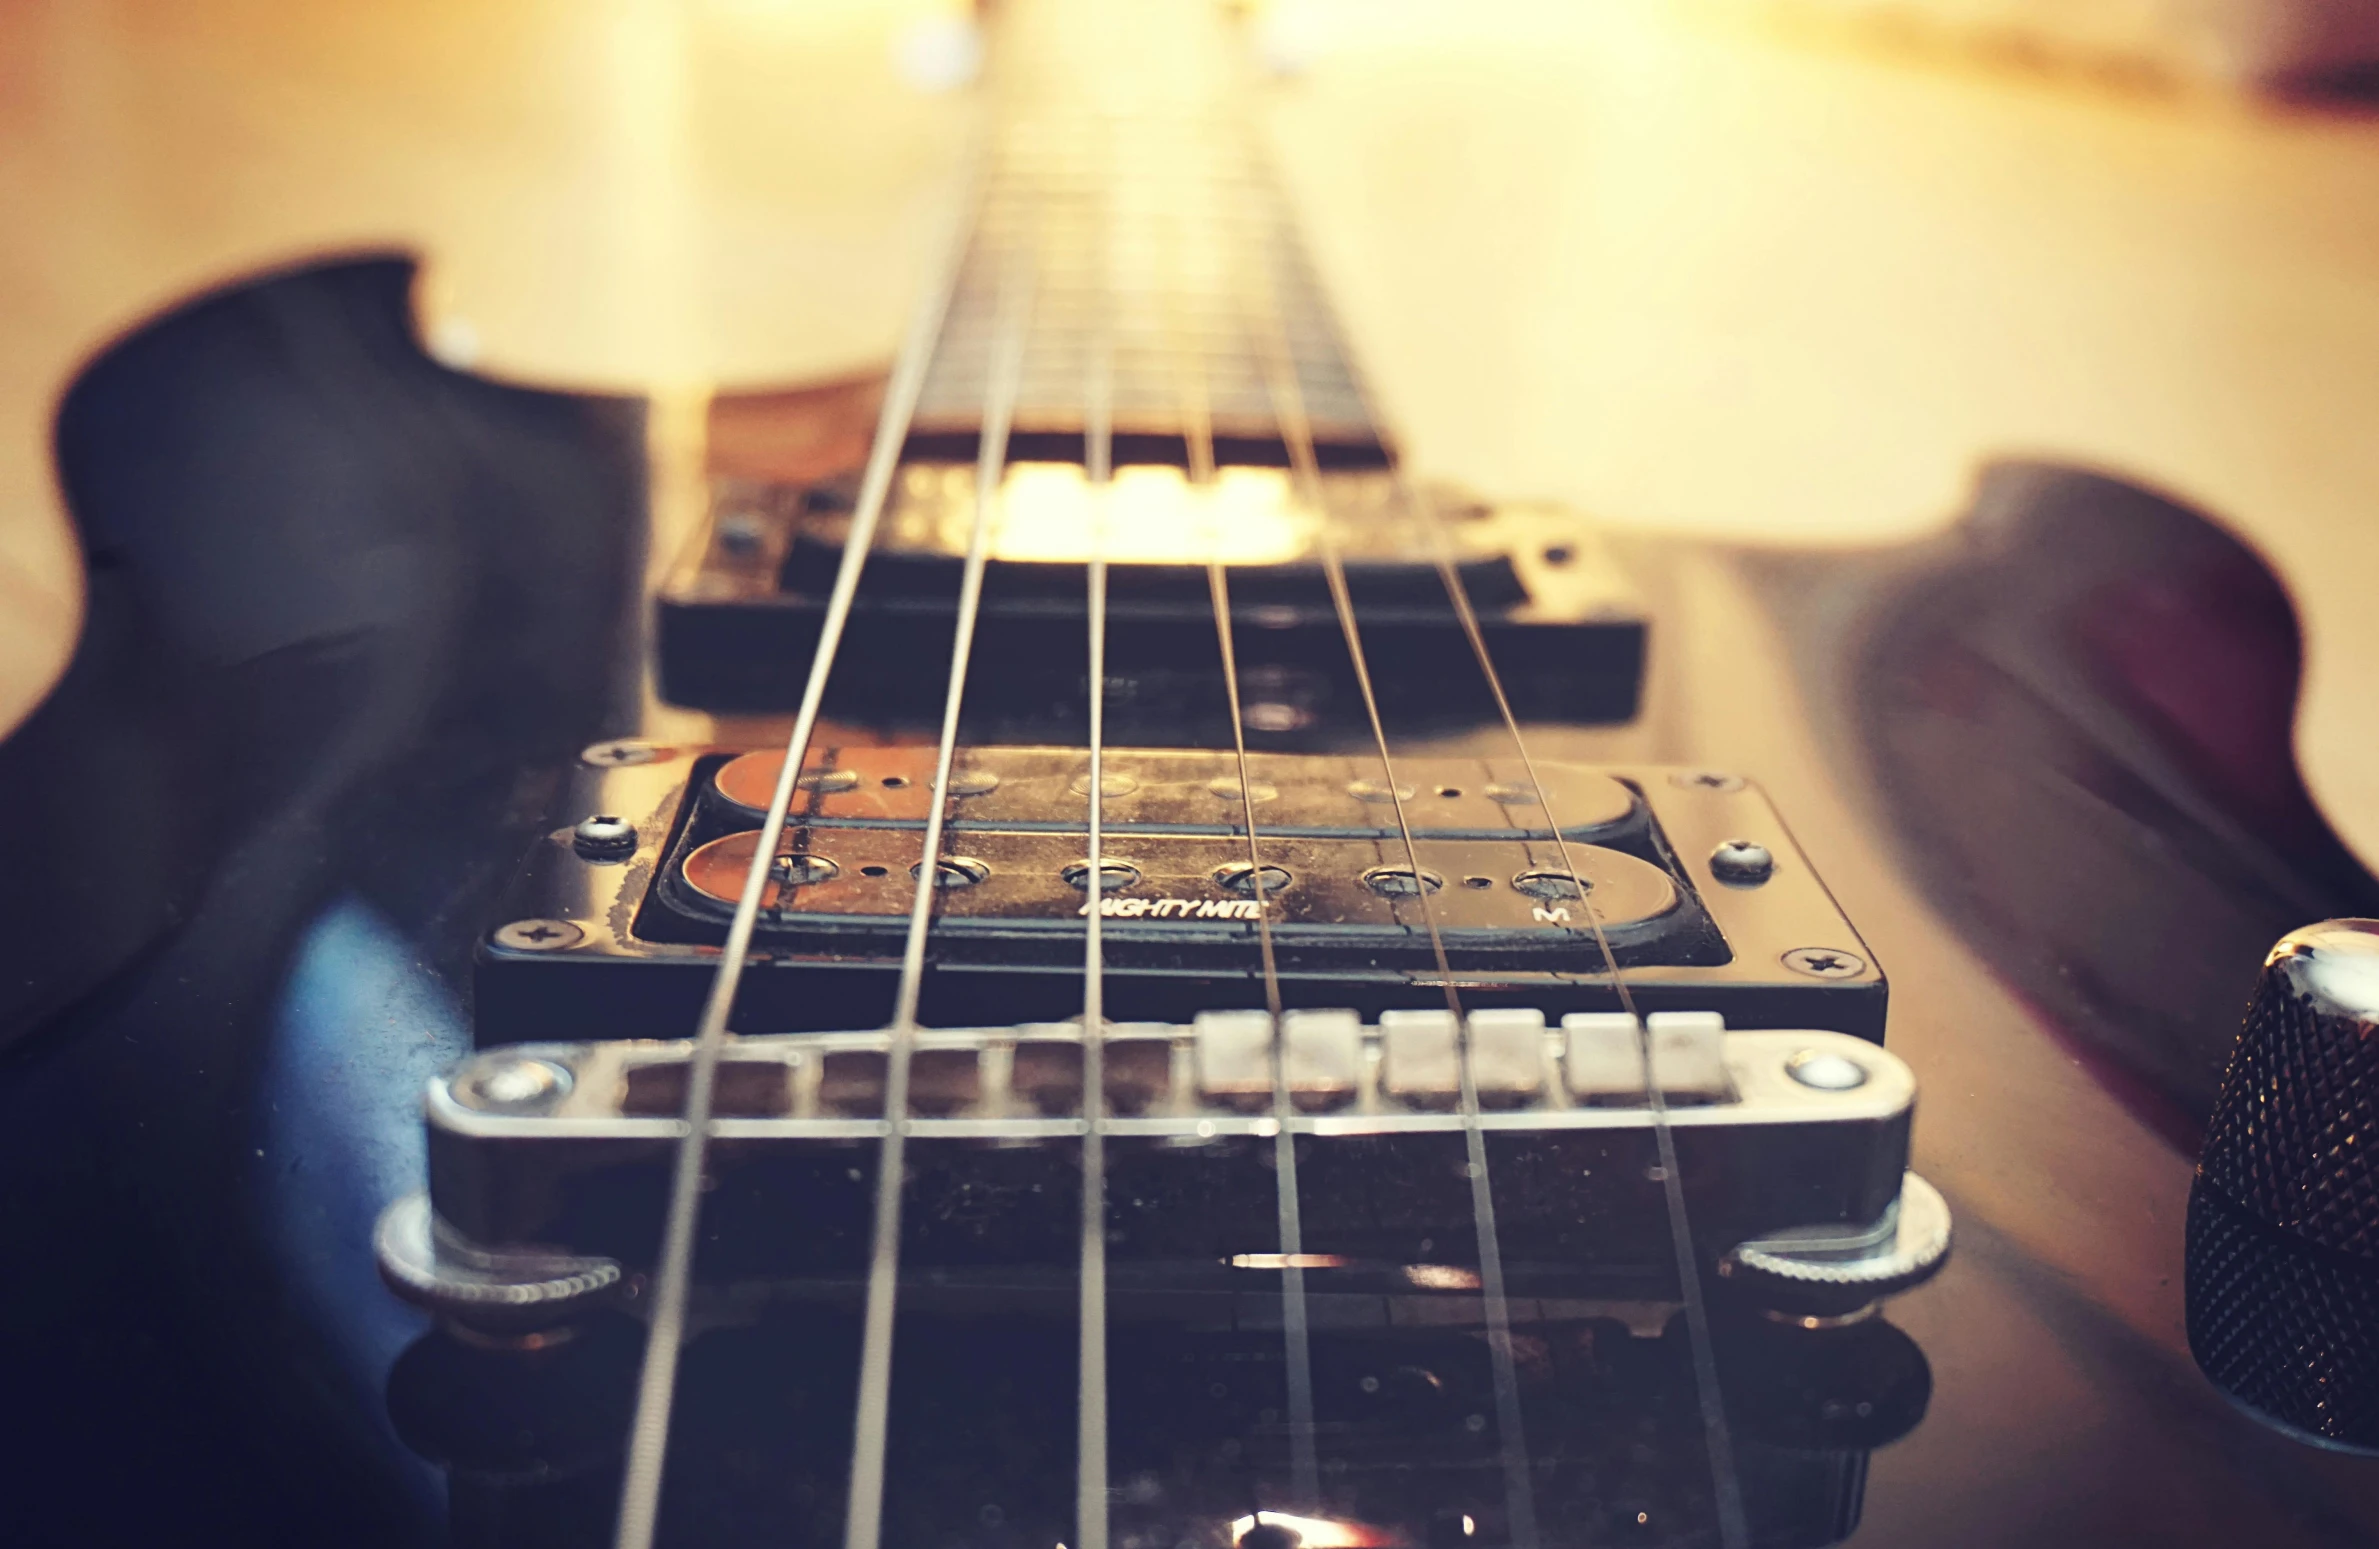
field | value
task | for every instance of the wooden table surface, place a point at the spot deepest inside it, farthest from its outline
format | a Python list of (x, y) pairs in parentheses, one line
[(1672, 267)]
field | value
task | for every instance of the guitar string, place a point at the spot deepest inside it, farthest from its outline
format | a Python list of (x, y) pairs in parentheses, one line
[(1296, 1329), (656, 1388), (863, 1514), (1286, 394), (1090, 1448), (1296, 1333), (1718, 1442), (1726, 1487), (900, 405)]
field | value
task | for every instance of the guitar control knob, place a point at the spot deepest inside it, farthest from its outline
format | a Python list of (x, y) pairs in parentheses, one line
[(2283, 1237)]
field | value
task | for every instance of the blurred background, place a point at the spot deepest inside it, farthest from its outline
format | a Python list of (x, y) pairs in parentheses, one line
[(1784, 270)]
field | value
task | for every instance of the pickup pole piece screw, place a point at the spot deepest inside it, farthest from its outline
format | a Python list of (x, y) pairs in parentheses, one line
[(1244, 879), (618, 754), (604, 837), (954, 871), (1825, 963), (1742, 863), (1706, 780), (539, 935)]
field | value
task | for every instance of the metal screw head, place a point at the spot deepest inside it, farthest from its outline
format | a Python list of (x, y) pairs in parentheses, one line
[(1114, 875), (982, 782), (1551, 882), (1402, 881), (740, 533), (509, 1083), (604, 837), (802, 869), (955, 871), (539, 935), (1825, 962), (1742, 863), (1825, 1071), (1274, 715), (618, 754), (1242, 878), (1706, 780)]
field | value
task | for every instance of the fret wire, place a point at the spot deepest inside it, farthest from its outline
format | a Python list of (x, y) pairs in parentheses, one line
[(1052, 164), (1196, 408), (1289, 408), (648, 1440), (864, 1513)]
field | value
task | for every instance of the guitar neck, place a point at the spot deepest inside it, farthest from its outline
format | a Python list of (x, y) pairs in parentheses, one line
[(1126, 191)]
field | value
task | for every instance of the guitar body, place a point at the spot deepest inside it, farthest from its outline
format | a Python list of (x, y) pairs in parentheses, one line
[(351, 618)]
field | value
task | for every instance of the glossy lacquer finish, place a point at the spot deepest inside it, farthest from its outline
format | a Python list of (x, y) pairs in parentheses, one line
[(2069, 859)]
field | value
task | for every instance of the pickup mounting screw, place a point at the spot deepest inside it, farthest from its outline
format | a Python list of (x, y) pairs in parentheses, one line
[(1825, 963), (539, 935), (618, 754), (604, 837), (741, 534), (1742, 863)]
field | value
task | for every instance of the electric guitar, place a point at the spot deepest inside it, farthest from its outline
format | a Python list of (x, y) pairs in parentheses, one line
[(1156, 980)]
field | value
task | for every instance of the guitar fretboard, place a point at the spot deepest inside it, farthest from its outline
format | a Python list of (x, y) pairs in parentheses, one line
[(1127, 188)]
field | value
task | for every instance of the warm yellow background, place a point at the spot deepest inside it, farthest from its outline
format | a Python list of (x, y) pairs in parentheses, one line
[(1656, 261)]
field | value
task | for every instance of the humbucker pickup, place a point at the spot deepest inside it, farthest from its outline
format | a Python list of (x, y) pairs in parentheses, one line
[(741, 614), (1688, 880)]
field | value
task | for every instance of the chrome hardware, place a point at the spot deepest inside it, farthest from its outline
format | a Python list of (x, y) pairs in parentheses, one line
[(544, 1151), (1822, 1274)]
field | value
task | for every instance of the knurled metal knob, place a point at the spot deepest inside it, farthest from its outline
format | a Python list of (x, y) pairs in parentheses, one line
[(490, 1292), (2283, 1237), (1826, 1273)]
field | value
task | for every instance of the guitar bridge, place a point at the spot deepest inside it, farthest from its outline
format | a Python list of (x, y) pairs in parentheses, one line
[(553, 1158)]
